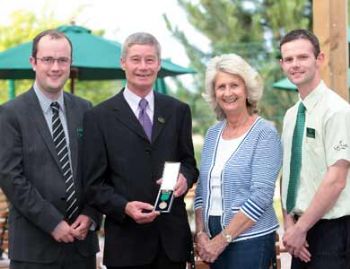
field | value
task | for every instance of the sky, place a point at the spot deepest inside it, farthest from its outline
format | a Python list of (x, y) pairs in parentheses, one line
[(118, 18)]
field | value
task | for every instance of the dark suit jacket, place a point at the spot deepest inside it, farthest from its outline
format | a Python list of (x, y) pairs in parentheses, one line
[(31, 177), (121, 165)]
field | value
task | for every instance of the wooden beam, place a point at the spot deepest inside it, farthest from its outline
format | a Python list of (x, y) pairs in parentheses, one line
[(330, 24)]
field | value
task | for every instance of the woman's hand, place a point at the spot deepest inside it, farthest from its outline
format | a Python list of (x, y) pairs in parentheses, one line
[(210, 250)]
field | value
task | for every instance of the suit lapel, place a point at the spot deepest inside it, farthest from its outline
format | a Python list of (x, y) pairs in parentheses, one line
[(162, 114), (40, 123), (126, 116)]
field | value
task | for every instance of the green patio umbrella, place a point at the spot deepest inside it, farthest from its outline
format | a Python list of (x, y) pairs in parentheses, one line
[(94, 58)]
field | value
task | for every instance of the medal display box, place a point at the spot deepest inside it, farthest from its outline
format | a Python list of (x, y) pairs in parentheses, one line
[(165, 195)]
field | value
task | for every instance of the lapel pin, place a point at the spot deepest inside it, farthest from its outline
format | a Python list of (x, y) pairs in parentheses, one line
[(161, 120), (80, 132)]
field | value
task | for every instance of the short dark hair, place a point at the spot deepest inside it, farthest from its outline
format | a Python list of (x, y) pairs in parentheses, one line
[(54, 34), (302, 34)]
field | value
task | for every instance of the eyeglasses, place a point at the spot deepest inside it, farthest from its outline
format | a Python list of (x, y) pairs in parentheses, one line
[(49, 61)]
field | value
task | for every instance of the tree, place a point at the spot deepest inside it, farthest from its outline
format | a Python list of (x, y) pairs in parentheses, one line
[(250, 28)]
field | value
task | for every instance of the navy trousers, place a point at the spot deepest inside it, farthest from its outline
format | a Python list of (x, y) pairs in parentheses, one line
[(255, 253)]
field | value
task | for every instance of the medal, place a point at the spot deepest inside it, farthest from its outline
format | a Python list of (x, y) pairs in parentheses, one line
[(165, 195), (163, 205)]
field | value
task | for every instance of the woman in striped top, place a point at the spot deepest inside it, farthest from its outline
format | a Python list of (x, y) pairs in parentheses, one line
[(241, 159)]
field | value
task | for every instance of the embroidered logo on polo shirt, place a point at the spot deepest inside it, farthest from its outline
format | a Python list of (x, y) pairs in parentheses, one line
[(341, 146)]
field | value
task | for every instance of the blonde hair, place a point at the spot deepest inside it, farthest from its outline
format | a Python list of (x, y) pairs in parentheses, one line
[(235, 65)]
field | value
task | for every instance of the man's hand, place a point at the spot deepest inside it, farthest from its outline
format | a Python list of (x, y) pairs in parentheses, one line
[(294, 239), (81, 227), (63, 233), (141, 212), (181, 186), (288, 221)]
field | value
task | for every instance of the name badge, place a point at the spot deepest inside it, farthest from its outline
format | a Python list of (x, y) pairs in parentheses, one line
[(310, 132)]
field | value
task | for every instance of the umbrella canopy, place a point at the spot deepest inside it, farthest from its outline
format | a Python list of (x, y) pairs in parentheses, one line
[(94, 58), (284, 84)]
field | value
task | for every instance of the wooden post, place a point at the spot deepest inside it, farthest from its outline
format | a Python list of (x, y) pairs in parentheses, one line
[(330, 22), (73, 75)]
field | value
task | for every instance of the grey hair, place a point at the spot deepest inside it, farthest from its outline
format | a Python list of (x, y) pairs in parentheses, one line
[(140, 38), (235, 65)]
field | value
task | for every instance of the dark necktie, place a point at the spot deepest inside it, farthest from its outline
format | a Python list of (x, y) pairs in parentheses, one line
[(295, 159), (144, 118), (60, 142)]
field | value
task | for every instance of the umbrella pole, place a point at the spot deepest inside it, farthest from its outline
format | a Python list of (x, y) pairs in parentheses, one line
[(11, 89), (72, 85), (73, 76)]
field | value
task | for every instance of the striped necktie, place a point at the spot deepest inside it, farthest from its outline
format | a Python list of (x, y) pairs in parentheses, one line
[(295, 159), (61, 145)]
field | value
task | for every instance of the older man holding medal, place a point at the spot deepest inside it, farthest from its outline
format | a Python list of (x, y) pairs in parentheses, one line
[(127, 140)]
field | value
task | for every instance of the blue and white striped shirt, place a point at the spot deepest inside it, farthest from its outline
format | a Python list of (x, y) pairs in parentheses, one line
[(248, 178)]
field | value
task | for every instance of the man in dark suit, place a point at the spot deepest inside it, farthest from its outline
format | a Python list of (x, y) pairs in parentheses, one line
[(49, 226), (123, 162)]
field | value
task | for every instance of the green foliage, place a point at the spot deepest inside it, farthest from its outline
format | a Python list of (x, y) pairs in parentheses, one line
[(23, 27), (202, 113), (250, 28), (281, 16), (97, 91)]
